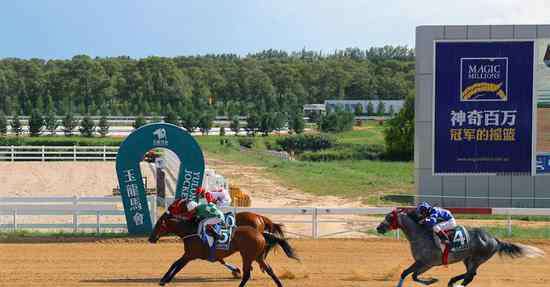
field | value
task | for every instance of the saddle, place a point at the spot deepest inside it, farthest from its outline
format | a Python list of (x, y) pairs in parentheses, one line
[(459, 241), (225, 233)]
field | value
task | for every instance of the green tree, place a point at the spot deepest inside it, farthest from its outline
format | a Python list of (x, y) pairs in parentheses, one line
[(270, 121), (399, 132), (3, 124), (189, 120), (139, 122), (338, 121), (87, 127), (296, 122), (391, 111), (359, 109), (270, 81), (16, 126), (51, 122), (235, 124), (252, 123), (69, 124), (103, 125), (36, 123), (370, 109), (267, 123), (171, 117), (206, 120), (381, 109)]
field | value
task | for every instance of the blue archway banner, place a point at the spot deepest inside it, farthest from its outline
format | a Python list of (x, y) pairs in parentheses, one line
[(483, 110), (130, 154)]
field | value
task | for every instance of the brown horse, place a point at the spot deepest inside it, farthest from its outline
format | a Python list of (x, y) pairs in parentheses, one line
[(260, 223), (246, 240)]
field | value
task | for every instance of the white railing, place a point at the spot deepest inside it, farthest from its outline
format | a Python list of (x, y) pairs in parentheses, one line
[(58, 153), (75, 207), (101, 213)]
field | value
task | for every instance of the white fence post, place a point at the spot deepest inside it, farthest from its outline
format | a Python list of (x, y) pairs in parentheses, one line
[(509, 225), (75, 214), (97, 230), (104, 153), (12, 154), (43, 153), (314, 222), (14, 220)]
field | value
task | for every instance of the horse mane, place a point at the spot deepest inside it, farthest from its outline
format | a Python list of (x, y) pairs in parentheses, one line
[(411, 214)]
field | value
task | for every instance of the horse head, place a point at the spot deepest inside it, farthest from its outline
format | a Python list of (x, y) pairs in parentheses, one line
[(166, 224), (390, 222)]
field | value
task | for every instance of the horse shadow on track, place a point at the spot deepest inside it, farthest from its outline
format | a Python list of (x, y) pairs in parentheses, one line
[(156, 280)]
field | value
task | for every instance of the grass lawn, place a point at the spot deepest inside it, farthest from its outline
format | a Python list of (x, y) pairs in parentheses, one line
[(369, 133), (359, 178)]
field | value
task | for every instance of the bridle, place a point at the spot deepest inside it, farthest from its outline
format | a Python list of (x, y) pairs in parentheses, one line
[(394, 224), (164, 228)]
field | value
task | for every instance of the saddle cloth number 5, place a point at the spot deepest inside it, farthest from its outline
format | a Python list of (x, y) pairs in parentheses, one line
[(226, 232)]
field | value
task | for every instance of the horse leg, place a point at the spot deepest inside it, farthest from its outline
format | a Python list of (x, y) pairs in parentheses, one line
[(456, 279), (471, 266), (247, 268), (235, 271), (266, 268), (175, 268), (427, 281), (471, 271), (415, 266)]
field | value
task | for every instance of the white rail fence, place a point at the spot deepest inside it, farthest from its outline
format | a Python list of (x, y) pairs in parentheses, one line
[(58, 153), (106, 213)]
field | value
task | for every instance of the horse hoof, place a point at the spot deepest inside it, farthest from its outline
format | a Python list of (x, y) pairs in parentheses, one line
[(236, 274), (162, 283), (431, 281)]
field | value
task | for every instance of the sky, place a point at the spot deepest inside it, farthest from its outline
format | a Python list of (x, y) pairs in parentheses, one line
[(61, 29)]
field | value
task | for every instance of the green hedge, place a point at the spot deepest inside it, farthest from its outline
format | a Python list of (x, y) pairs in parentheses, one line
[(346, 152), (248, 142), (60, 141), (306, 142)]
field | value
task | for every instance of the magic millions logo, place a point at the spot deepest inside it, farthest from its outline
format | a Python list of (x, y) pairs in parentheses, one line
[(483, 79)]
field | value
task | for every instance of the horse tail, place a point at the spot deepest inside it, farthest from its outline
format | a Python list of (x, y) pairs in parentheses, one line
[(273, 228), (516, 250), (273, 240)]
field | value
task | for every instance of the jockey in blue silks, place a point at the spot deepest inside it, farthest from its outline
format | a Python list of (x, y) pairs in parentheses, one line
[(438, 219)]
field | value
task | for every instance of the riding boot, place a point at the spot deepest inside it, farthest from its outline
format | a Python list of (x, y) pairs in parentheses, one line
[(212, 252)]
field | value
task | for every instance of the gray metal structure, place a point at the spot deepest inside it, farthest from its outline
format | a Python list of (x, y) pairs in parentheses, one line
[(475, 190)]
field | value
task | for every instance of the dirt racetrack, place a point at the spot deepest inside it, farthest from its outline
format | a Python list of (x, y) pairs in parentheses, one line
[(371, 262)]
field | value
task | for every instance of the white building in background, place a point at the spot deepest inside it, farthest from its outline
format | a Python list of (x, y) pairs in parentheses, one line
[(349, 105)]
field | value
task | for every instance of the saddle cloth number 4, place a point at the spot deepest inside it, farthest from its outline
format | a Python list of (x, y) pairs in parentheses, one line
[(460, 239)]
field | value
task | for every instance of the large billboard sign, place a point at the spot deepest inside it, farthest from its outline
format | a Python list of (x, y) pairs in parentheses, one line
[(483, 108)]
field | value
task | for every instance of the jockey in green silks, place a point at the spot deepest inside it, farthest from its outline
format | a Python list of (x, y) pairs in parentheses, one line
[(209, 217)]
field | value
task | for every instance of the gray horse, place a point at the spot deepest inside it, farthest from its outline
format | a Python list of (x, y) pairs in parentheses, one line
[(427, 254)]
